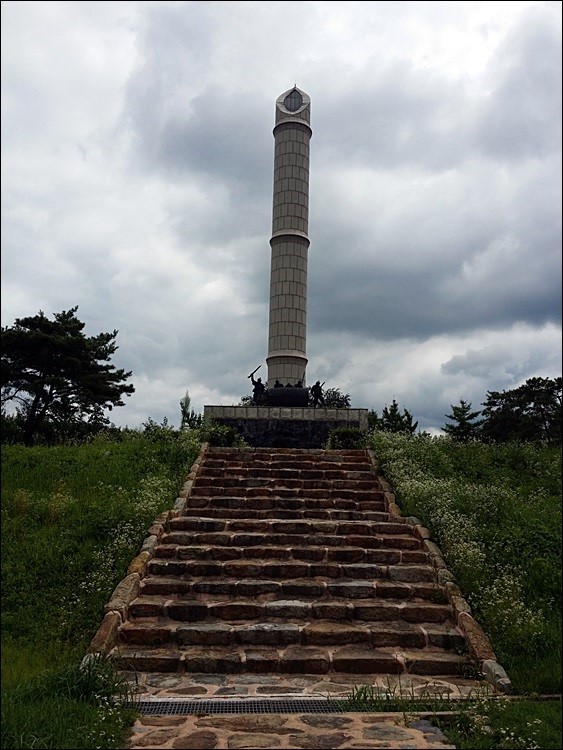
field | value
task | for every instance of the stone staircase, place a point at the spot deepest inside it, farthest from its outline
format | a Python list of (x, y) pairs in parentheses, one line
[(286, 562)]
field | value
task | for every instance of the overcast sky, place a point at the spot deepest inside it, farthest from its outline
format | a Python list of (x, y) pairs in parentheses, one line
[(137, 174)]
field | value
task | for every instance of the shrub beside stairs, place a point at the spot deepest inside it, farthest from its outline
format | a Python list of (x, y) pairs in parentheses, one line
[(292, 562)]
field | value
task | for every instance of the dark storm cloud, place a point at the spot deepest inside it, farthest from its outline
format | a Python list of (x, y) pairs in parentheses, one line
[(402, 116), (183, 124), (489, 256), (223, 136), (521, 118)]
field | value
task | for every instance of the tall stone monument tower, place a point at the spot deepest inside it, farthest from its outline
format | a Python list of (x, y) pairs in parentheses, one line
[(287, 359), (282, 417)]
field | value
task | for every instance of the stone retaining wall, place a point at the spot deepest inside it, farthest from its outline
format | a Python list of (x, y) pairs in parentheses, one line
[(286, 427)]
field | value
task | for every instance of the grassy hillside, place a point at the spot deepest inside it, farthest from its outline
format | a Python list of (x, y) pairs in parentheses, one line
[(495, 511), (73, 517)]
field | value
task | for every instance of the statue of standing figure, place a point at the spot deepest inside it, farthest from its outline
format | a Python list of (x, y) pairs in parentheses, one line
[(317, 393), (259, 389)]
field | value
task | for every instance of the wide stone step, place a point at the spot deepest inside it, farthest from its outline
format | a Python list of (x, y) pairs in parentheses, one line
[(223, 480), (298, 468), (316, 588), (158, 631), (199, 607), (279, 457), (234, 539), (326, 514), (240, 489), (290, 569), (292, 659), (291, 526), (269, 472), (271, 502), (303, 552)]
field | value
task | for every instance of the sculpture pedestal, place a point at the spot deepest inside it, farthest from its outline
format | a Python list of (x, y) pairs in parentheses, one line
[(288, 396), (286, 427)]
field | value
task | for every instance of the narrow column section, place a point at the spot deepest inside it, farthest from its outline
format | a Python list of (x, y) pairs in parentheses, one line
[(287, 360)]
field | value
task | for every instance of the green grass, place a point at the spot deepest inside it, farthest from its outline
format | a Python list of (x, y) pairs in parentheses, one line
[(524, 724), (73, 518), (50, 701)]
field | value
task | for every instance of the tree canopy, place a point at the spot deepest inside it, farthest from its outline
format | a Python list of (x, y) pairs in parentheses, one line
[(464, 427), (392, 420), (531, 412), (335, 399), (190, 419), (54, 372)]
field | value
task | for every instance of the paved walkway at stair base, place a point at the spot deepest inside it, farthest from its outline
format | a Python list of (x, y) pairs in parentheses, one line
[(350, 730), (299, 730), (163, 685)]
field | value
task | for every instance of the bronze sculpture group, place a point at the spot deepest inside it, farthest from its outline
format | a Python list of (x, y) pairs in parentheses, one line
[(260, 392)]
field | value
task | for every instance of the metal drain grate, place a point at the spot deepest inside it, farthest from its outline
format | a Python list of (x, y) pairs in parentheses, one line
[(251, 706)]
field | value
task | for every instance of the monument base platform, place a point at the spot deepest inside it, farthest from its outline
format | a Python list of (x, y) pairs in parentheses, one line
[(286, 427)]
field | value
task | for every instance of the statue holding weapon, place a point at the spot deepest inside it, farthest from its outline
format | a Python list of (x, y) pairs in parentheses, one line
[(317, 393), (259, 389)]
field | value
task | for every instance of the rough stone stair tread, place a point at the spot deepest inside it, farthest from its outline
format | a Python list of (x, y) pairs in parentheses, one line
[(284, 503), (335, 572), (162, 631), (263, 539), (423, 590), (199, 608), (293, 493), (288, 466), (306, 526), (218, 537), (225, 468), (277, 531), (417, 594), (328, 514), (316, 553), (442, 653), (290, 659)]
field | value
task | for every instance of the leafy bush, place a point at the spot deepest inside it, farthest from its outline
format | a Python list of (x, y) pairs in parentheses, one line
[(350, 438), (335, 399), (220, 435)]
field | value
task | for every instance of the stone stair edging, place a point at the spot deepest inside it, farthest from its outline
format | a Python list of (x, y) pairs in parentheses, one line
[(478, 642), (128, 588)]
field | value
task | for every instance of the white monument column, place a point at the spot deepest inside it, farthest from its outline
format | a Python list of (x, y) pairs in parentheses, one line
[(287, 360)]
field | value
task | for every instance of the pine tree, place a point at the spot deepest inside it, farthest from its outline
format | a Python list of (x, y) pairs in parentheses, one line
[(465, 427), (392, 420), (57, 374), (190, 419), (531, 412)]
